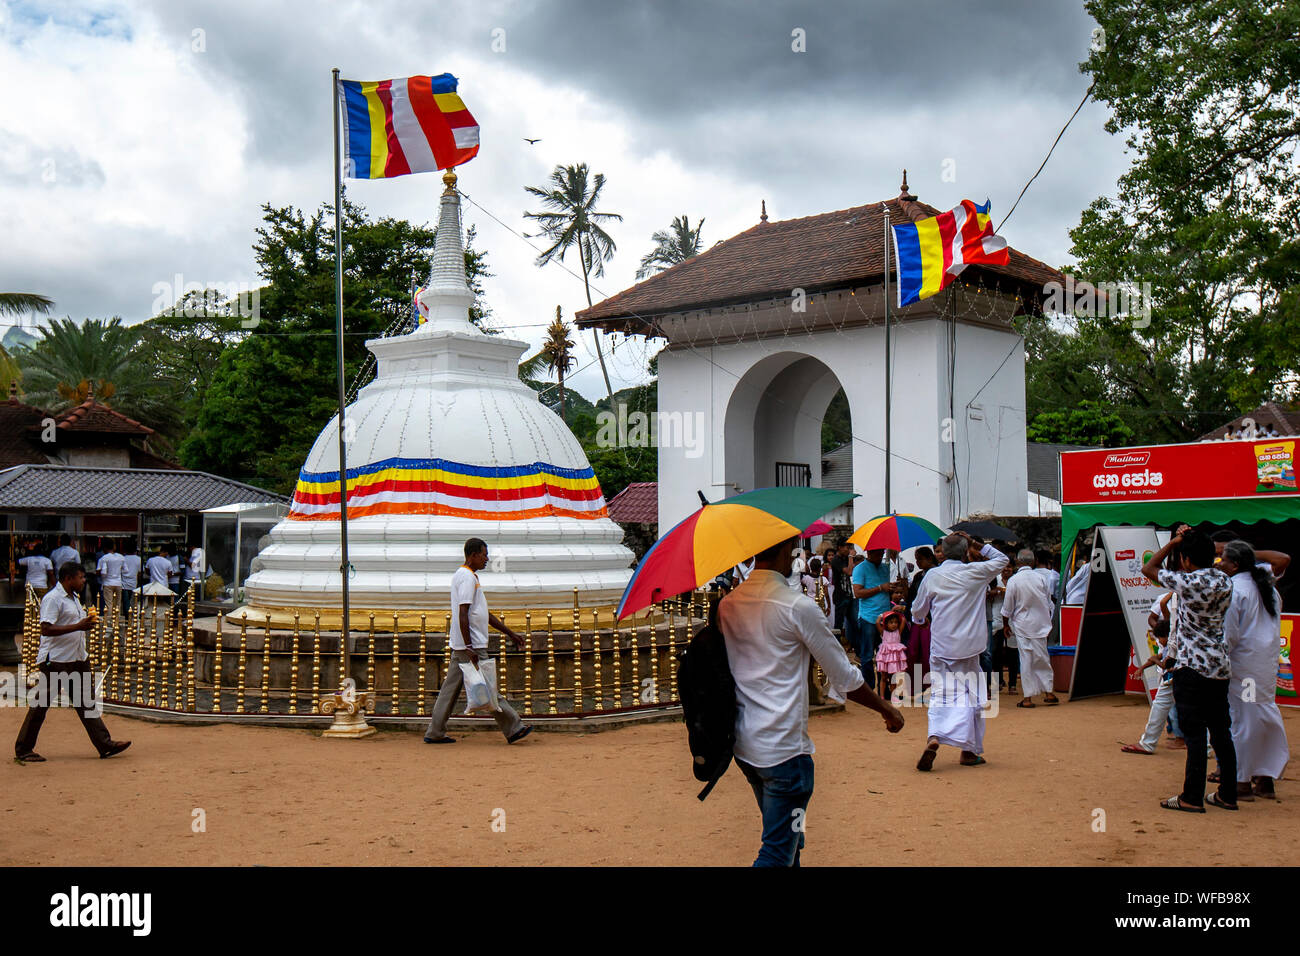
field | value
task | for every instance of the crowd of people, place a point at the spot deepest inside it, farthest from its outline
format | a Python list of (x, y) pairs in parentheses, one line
[(113, 571)]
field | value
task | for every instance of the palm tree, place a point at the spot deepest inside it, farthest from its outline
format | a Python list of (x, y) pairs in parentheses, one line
[(574, 221), (72, 362), (673, 245), (16, 303), (557, 353)]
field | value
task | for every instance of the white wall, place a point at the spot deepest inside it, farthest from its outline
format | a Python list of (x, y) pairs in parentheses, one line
[(763, 402)]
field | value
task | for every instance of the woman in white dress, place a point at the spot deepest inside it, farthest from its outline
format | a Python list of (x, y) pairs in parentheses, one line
[(1253, 629)]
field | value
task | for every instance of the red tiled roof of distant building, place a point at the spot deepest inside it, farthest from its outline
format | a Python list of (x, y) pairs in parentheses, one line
[(16, 445), (91, 416), (832, 250), (638, 503)]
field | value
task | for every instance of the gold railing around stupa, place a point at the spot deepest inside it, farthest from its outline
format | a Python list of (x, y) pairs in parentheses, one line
[(572, 664)]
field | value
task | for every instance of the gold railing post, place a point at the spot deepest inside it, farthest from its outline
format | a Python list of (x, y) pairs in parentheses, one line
[(618, 664), (264, 706), (293, 668), (164, 665), (152, 699), (243, 665), (528, 662), (420, 671), (370, 660), (672, 652), (315, 664), (503, 676), (216, 663), (636, 663), (445, 667), (344, 630), (397, 659), (577, 657), (550, 662), (595, 658), (190, 702), (654, 655)]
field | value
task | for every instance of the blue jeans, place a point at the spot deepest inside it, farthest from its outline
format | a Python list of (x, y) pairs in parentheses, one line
[(782, 793), (868, 638)]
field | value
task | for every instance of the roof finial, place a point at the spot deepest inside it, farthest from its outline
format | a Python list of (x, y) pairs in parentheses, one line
[(905, 195), (763, 216), (449, 178)]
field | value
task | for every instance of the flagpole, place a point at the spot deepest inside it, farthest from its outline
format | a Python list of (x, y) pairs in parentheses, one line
[(888, 367), (344, 566)]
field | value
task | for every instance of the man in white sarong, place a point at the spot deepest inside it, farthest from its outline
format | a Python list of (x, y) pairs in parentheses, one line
[(1027, 613), (1253, 629), (952, 597)]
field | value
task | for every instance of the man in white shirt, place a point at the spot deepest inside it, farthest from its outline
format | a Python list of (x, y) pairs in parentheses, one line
[(1051, 575), (770, 632), (195, 570), (110, 581), (130, 576), (39, 572), (64, 553), (63, 664), (952, 597), (1027, 613), (159, 567), (470, 616), (1076, 589)]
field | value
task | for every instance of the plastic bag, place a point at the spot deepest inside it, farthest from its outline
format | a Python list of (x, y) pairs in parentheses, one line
[(480, 687)]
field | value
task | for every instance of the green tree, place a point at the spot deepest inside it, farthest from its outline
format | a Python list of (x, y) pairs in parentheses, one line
[(557, 353), (1206, 218), (71, 362), (1089, 423), (18, 303), (273, 391), (675, 244), (571, 220)]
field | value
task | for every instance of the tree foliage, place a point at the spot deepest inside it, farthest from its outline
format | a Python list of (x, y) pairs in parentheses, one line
[(675, 244)]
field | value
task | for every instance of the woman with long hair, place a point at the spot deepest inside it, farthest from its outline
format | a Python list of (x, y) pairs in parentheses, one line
[(1253, 628)]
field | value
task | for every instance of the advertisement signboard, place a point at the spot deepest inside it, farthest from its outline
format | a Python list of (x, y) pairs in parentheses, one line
[(1127, 549)]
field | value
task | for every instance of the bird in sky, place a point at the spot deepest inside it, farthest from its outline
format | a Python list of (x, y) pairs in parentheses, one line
[(530, 142)]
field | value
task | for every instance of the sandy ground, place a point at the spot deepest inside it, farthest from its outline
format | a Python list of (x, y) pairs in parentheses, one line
[(619, 797)]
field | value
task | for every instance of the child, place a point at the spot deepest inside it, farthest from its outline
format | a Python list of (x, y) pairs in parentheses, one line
[(891, 656), (1163, 705)]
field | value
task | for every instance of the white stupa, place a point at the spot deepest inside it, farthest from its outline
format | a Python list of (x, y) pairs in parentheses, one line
[(446, 444)]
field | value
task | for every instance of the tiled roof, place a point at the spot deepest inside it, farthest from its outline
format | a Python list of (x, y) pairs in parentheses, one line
[(1041, 460), (1285, 419), (638, 503), (90, 416), (67, 488), (16, 447), (837, 468), (832, 250)]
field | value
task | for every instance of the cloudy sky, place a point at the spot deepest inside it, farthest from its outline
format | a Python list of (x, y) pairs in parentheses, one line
[(140, 137)]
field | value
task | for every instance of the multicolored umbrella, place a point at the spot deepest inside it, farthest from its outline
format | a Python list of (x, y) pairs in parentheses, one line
[(896, 531), (816, 528), (721, 535)]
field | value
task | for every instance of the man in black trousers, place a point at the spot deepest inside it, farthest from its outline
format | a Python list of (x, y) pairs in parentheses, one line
[(1201, 669), (64, 664)]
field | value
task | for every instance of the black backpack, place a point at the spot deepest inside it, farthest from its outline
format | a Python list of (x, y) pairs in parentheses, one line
[(708, 695)]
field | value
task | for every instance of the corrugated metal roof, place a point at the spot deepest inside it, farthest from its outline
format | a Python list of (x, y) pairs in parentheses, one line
[(72, 489), (1041, 466), (837, 468)]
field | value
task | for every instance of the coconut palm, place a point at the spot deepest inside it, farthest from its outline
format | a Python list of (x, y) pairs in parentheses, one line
[(16, 303), (557, 353), (572, 221), (673, 245), (72, 362)]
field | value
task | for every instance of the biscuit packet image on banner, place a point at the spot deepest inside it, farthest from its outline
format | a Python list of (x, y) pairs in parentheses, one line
[(1275, 466)]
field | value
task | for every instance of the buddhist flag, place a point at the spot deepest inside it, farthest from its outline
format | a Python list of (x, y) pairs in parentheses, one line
[(930, 253), (395, 127)]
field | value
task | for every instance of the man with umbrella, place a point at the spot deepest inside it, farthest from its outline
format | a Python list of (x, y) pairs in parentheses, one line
[(952, 597)]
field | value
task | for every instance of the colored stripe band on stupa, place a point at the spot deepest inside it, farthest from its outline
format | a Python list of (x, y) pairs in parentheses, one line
[(435, 486)]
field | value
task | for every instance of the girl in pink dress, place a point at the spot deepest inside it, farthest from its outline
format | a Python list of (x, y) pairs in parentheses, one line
[(891, 656)]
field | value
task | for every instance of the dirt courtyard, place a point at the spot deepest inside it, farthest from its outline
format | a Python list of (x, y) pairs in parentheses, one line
[(621, 797)]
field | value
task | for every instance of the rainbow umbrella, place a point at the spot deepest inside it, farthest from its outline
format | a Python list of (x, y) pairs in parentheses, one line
[(896, 531), (721, 535)]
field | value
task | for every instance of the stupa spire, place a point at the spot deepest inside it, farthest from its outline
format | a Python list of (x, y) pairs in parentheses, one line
[(447, 295)]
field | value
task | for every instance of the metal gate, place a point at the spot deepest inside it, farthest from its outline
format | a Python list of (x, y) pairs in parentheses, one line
[(793, 474)]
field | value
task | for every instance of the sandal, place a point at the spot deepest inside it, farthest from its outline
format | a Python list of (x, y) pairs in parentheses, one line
[(1026, 703), (1135, 749), (1175, 803), (1212, 777), (1051, 699), (1214, 800), (32, 757), (978, 761), (927, 758)]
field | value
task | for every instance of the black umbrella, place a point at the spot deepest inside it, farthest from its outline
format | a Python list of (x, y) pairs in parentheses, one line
[(987, 530)]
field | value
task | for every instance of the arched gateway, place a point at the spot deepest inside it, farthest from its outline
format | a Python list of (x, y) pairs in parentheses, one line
[(765, 328)]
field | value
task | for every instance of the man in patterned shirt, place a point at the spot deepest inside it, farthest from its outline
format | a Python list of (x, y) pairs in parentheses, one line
[(1202, 669)]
